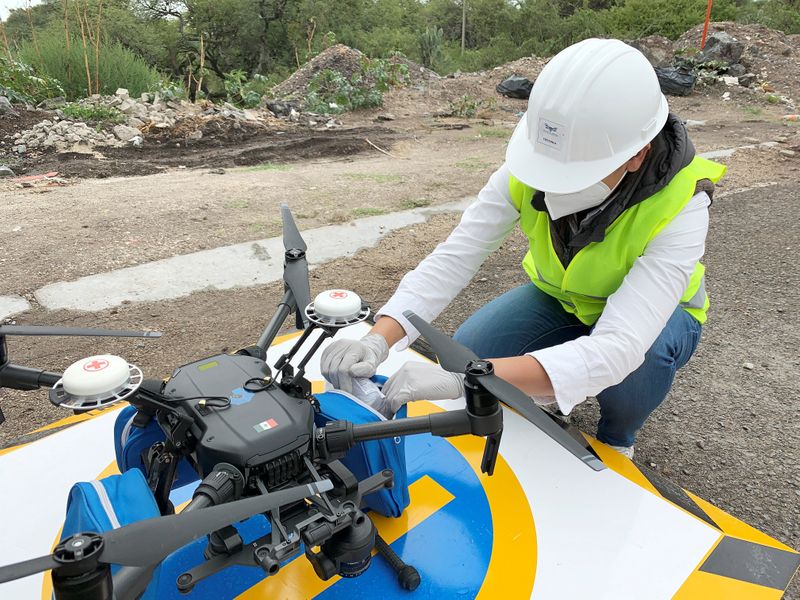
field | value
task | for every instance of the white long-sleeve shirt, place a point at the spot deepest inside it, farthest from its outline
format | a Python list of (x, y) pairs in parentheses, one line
[(633, 317)]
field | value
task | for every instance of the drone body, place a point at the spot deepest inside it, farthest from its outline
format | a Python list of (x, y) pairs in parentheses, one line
[(264, 431)]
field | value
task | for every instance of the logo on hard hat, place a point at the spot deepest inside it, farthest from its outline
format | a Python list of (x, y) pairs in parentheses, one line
[(551, 134)]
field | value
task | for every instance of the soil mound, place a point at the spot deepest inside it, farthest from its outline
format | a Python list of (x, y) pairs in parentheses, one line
[(345, 60), (772, 55)]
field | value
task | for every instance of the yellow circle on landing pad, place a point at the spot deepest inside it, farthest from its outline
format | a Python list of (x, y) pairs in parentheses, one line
[(512, 566)]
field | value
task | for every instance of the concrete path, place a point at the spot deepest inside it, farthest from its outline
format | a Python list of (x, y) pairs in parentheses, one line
[(12, 305), (241, 265)]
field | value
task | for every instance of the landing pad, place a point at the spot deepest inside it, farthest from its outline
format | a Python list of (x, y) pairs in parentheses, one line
[(545, 526)]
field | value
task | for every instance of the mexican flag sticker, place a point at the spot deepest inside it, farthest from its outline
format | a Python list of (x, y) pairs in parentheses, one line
[(264, 425)]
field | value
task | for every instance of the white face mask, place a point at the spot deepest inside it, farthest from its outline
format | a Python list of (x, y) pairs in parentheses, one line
[(560, 205)]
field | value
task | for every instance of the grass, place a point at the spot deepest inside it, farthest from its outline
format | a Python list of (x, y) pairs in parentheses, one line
[(368, 211), (266, 167), (493, 132), (376, 177), (473, 164), (772, 99), (102, 114), (753, 110), (416, 203), (241, 203)]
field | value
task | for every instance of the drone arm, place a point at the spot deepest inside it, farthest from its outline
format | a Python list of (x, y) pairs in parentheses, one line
[(285, 308), (337, 437), (24, 378)]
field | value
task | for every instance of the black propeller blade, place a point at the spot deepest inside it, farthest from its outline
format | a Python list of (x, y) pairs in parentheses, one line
[(454, 357), (295, 271), (27, 568), (43, 330), (150, 541)]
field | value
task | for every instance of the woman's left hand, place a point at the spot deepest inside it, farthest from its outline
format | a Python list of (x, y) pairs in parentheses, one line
[(422, 381)]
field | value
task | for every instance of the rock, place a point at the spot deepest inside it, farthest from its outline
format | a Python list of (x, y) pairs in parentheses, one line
[(656, 48), (730, 80), (747, 80), (137, 141), (126, 133), (6, 171), (722, 46), (6, 108), (134, 122), (120, 93), (749, 366), (726, 96), (386, 117), (127, 106), (281, 109), (52, 103), (787, 152), (197, 134), (145, 97), (217, 171), (737, 70), (700, 444)]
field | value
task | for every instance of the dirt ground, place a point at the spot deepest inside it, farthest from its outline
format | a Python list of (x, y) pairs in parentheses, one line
[(729, 433)]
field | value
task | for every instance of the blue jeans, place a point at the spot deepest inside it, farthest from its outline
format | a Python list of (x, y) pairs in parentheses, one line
[(526, 319)]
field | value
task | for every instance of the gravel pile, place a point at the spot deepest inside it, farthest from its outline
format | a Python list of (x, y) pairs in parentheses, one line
[(152, 117), (64, 135)]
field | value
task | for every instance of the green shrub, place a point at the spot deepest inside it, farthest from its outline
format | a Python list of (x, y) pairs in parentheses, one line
[(330, 92), (783, 15), (244, 92), (19, 82), (103, 114), (467, 106), (670, 18), (430, 46), (118, 66)]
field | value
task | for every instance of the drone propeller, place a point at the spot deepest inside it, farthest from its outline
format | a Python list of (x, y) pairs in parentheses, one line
[(40, 330), (454, 357), (295, 271), (150, 541)]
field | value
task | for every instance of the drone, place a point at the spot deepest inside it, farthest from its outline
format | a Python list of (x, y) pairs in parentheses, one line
[(291, 474)]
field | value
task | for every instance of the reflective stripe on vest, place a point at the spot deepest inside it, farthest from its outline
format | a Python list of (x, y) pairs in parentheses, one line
[(597, 270)]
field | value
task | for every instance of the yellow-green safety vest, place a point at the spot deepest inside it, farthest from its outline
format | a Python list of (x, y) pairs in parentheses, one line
[(597, 270)]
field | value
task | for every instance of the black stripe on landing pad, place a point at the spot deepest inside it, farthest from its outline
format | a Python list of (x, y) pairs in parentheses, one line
[(753, 563), (676, 495)]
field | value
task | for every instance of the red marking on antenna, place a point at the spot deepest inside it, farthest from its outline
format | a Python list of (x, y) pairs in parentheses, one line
[(98, 364), (338, 295)]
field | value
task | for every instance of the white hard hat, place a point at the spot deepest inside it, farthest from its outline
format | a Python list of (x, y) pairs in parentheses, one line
[(592, 108)]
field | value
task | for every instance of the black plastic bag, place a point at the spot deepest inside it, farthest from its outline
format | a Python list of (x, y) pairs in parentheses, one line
[(676, 81), (515, 87)]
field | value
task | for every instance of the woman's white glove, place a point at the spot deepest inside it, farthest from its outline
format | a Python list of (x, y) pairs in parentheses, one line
[(345, 359), (422, 381)]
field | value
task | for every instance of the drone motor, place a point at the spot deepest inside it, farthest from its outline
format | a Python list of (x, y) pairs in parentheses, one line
[(95, 382), (337, 308)]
